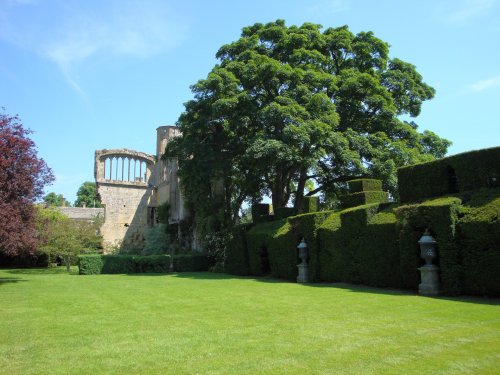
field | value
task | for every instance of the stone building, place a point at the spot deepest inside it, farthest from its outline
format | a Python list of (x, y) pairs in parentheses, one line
[(132, 185)]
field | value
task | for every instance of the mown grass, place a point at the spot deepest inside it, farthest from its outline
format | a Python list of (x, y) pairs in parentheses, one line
[(202, 323)]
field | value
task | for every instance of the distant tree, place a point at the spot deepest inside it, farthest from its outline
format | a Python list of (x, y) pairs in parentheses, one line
[(290, 105), (23, 176), (54, 200), (59, 236), (87, 195)]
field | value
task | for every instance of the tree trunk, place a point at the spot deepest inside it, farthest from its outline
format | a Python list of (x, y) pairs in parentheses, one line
[(299, 194)]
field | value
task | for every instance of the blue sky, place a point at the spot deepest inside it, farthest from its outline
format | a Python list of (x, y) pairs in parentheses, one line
[(87, 75)]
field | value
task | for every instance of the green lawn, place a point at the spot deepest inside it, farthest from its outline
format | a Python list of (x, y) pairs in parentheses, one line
[(203, 323)]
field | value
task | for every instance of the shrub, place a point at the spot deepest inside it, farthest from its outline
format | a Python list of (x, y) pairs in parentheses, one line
[(113, 264), (156, 240), (310, 204), (363, 198), (90, 264)]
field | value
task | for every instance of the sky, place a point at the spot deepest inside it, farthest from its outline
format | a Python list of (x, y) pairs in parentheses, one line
[(97, 74)]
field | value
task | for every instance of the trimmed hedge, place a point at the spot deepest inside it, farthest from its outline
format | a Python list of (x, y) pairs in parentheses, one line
[(363, 198), (479, 231), (358, 246), (284, 212), (364, 184), (112, 264), (260, 212), (456, 174)]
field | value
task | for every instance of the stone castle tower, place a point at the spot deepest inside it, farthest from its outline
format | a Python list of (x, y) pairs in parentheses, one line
[(132, 185)]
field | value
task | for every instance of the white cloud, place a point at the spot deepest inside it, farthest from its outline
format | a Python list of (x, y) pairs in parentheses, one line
[(485, 84), (463, 11), (70, 33), (329, 7)]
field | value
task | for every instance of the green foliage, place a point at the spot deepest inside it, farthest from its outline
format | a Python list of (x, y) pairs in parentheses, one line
[(215, 246), (91, 264), (192, 262), (112, 264), (156, 240), (286, 105), (163, 212), (55, 200), (61, 237), (87, 195), (459, 173), (479, 230)]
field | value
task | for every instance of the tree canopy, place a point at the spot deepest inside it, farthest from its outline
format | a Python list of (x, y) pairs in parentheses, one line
[(87, 195), (23, 176), (54, 200), (289, 105)]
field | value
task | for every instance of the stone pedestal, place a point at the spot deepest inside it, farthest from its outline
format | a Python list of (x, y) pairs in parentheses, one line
[(303, 276), (429, 275)]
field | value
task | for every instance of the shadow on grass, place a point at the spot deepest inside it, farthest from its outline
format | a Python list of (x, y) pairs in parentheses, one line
[(349, 287), (10, 280)]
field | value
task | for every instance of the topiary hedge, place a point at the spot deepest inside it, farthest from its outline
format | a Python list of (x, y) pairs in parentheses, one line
[(459, 173), (359, 245), (479, 231)]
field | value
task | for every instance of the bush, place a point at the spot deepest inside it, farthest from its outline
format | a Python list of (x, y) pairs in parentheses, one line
[(459, 173), (363, 198), (310, 204), (90, 264), (156, 240), (192, 263), (113, 264)]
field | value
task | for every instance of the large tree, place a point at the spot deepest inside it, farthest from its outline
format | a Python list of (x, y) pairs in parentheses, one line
[(290, 105), (54, 200), (23, 176), (87, 195)]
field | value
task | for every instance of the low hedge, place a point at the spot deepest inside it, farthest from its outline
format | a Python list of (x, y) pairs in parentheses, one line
[(112, 264), (456, 174)]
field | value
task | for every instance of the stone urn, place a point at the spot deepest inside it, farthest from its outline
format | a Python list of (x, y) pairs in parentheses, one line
[(429, 273), (303, 267)]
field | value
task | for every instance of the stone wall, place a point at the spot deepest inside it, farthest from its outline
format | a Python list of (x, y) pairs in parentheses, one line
[(81, 213), (132, 185)]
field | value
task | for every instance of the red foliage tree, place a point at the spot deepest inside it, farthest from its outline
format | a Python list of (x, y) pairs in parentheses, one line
[(22, 178)]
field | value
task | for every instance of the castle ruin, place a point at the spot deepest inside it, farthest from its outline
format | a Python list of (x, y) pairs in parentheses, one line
[(132, 185)]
